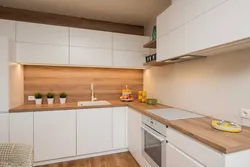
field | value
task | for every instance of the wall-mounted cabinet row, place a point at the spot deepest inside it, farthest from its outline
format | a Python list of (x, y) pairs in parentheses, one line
[(56, 45), (200, 25), (80, 132)]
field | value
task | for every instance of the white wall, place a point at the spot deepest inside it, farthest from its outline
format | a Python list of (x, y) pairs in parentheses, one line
[(215, 86)]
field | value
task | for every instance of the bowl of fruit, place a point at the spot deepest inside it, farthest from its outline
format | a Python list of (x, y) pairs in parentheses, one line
[(142, 96), (126, 95)]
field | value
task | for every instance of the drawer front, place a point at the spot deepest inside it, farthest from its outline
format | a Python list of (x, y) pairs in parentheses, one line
[(195, 149)]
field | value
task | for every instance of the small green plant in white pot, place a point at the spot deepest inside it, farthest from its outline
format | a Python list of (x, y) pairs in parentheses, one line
[(50, 98), (38, 98), (63, 97)]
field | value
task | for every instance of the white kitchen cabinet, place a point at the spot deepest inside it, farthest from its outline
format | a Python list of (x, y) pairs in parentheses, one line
[(223, 24), (129, 59), (135, 137), (177, 158), (195, 149), (21, 128), (4, 128), (119, 127), (94, 130), (7, 29), (172, 45), (195, 8), (129, 42), (42, 54), (54, 135), (172, 18), (90, 38), (90, 56), (42, 34)]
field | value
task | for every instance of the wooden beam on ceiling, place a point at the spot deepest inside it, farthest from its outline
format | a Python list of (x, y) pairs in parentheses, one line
[(68, 21)]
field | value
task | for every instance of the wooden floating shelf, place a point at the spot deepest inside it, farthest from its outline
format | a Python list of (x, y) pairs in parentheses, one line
[(151, 44)]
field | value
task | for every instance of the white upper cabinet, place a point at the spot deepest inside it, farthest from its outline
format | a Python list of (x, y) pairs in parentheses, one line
[(171, 45), (194, 8), (128, 59), (90, 38), (21, 128), (224, 24), (7, 29), (172, 18), (54, 135), (90, 56), (129, 42), (41, 33), (42, 54), (119, 127), (94, 130)]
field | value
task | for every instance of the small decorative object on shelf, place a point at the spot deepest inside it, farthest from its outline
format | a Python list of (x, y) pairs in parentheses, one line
[(38, 98), (151, 58), (154, 33), (126, 95), (50, 98), (142, 96), (63, 97)]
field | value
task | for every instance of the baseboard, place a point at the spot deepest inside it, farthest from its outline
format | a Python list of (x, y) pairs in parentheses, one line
[(79, 157)]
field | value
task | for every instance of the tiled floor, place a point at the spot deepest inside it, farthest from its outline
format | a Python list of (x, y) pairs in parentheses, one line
[(114, 160)]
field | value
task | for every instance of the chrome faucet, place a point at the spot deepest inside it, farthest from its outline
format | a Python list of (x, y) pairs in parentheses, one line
[(93, 98)]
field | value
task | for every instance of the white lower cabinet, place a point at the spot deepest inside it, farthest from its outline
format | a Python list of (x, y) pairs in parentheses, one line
[(54, 135), (4, 128), (119, 127), (177, 158), (135, 137), (94, 130), (21, 128)]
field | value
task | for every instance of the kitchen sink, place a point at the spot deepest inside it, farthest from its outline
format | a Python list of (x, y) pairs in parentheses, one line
[(94, 103)]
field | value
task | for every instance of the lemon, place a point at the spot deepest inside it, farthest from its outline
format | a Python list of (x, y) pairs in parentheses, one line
[(143, 100), (144, 94), (140, 92), (140, 97)]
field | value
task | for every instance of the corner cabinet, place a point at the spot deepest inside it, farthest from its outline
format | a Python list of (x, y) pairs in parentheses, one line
[(135, 137), (54, 135)]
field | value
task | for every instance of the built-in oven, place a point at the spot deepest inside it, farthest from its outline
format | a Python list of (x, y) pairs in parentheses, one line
[(154, 142)]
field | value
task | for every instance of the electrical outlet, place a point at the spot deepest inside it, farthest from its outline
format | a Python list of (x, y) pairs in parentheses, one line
[(245, 113), (31, 98)]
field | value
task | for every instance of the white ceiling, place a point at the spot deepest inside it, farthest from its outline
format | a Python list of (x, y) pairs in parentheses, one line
[(137, 12)]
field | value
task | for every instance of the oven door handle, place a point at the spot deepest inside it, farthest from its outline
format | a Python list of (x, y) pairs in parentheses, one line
[(153, 134)]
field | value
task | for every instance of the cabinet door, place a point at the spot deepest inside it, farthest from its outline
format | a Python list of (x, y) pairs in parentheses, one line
[(42, 54), (129, 42), (7, 29), (201, 34), (41, 33), (21, 128), (90, 38), (94, 130), (119, 127), (172, 18), (135, 138), (171, 45), (90, 56), (176, 158), (54, 135), (4, 128), (132, 59), (194, 8)]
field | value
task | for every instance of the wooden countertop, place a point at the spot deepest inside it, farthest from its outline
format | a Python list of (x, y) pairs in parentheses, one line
[(197, 128)]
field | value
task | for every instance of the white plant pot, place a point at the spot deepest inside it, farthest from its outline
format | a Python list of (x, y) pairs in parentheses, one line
[(62, 100), (39, 101), (50, 100)]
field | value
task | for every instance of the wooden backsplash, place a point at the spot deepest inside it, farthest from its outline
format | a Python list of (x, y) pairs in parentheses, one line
[(75, 81)]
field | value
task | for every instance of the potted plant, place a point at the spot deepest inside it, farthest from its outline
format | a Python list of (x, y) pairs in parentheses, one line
[(50, 98), (63, 97), (38, 98)]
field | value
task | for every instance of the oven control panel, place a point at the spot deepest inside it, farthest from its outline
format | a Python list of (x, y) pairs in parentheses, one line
[(154, 124)]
